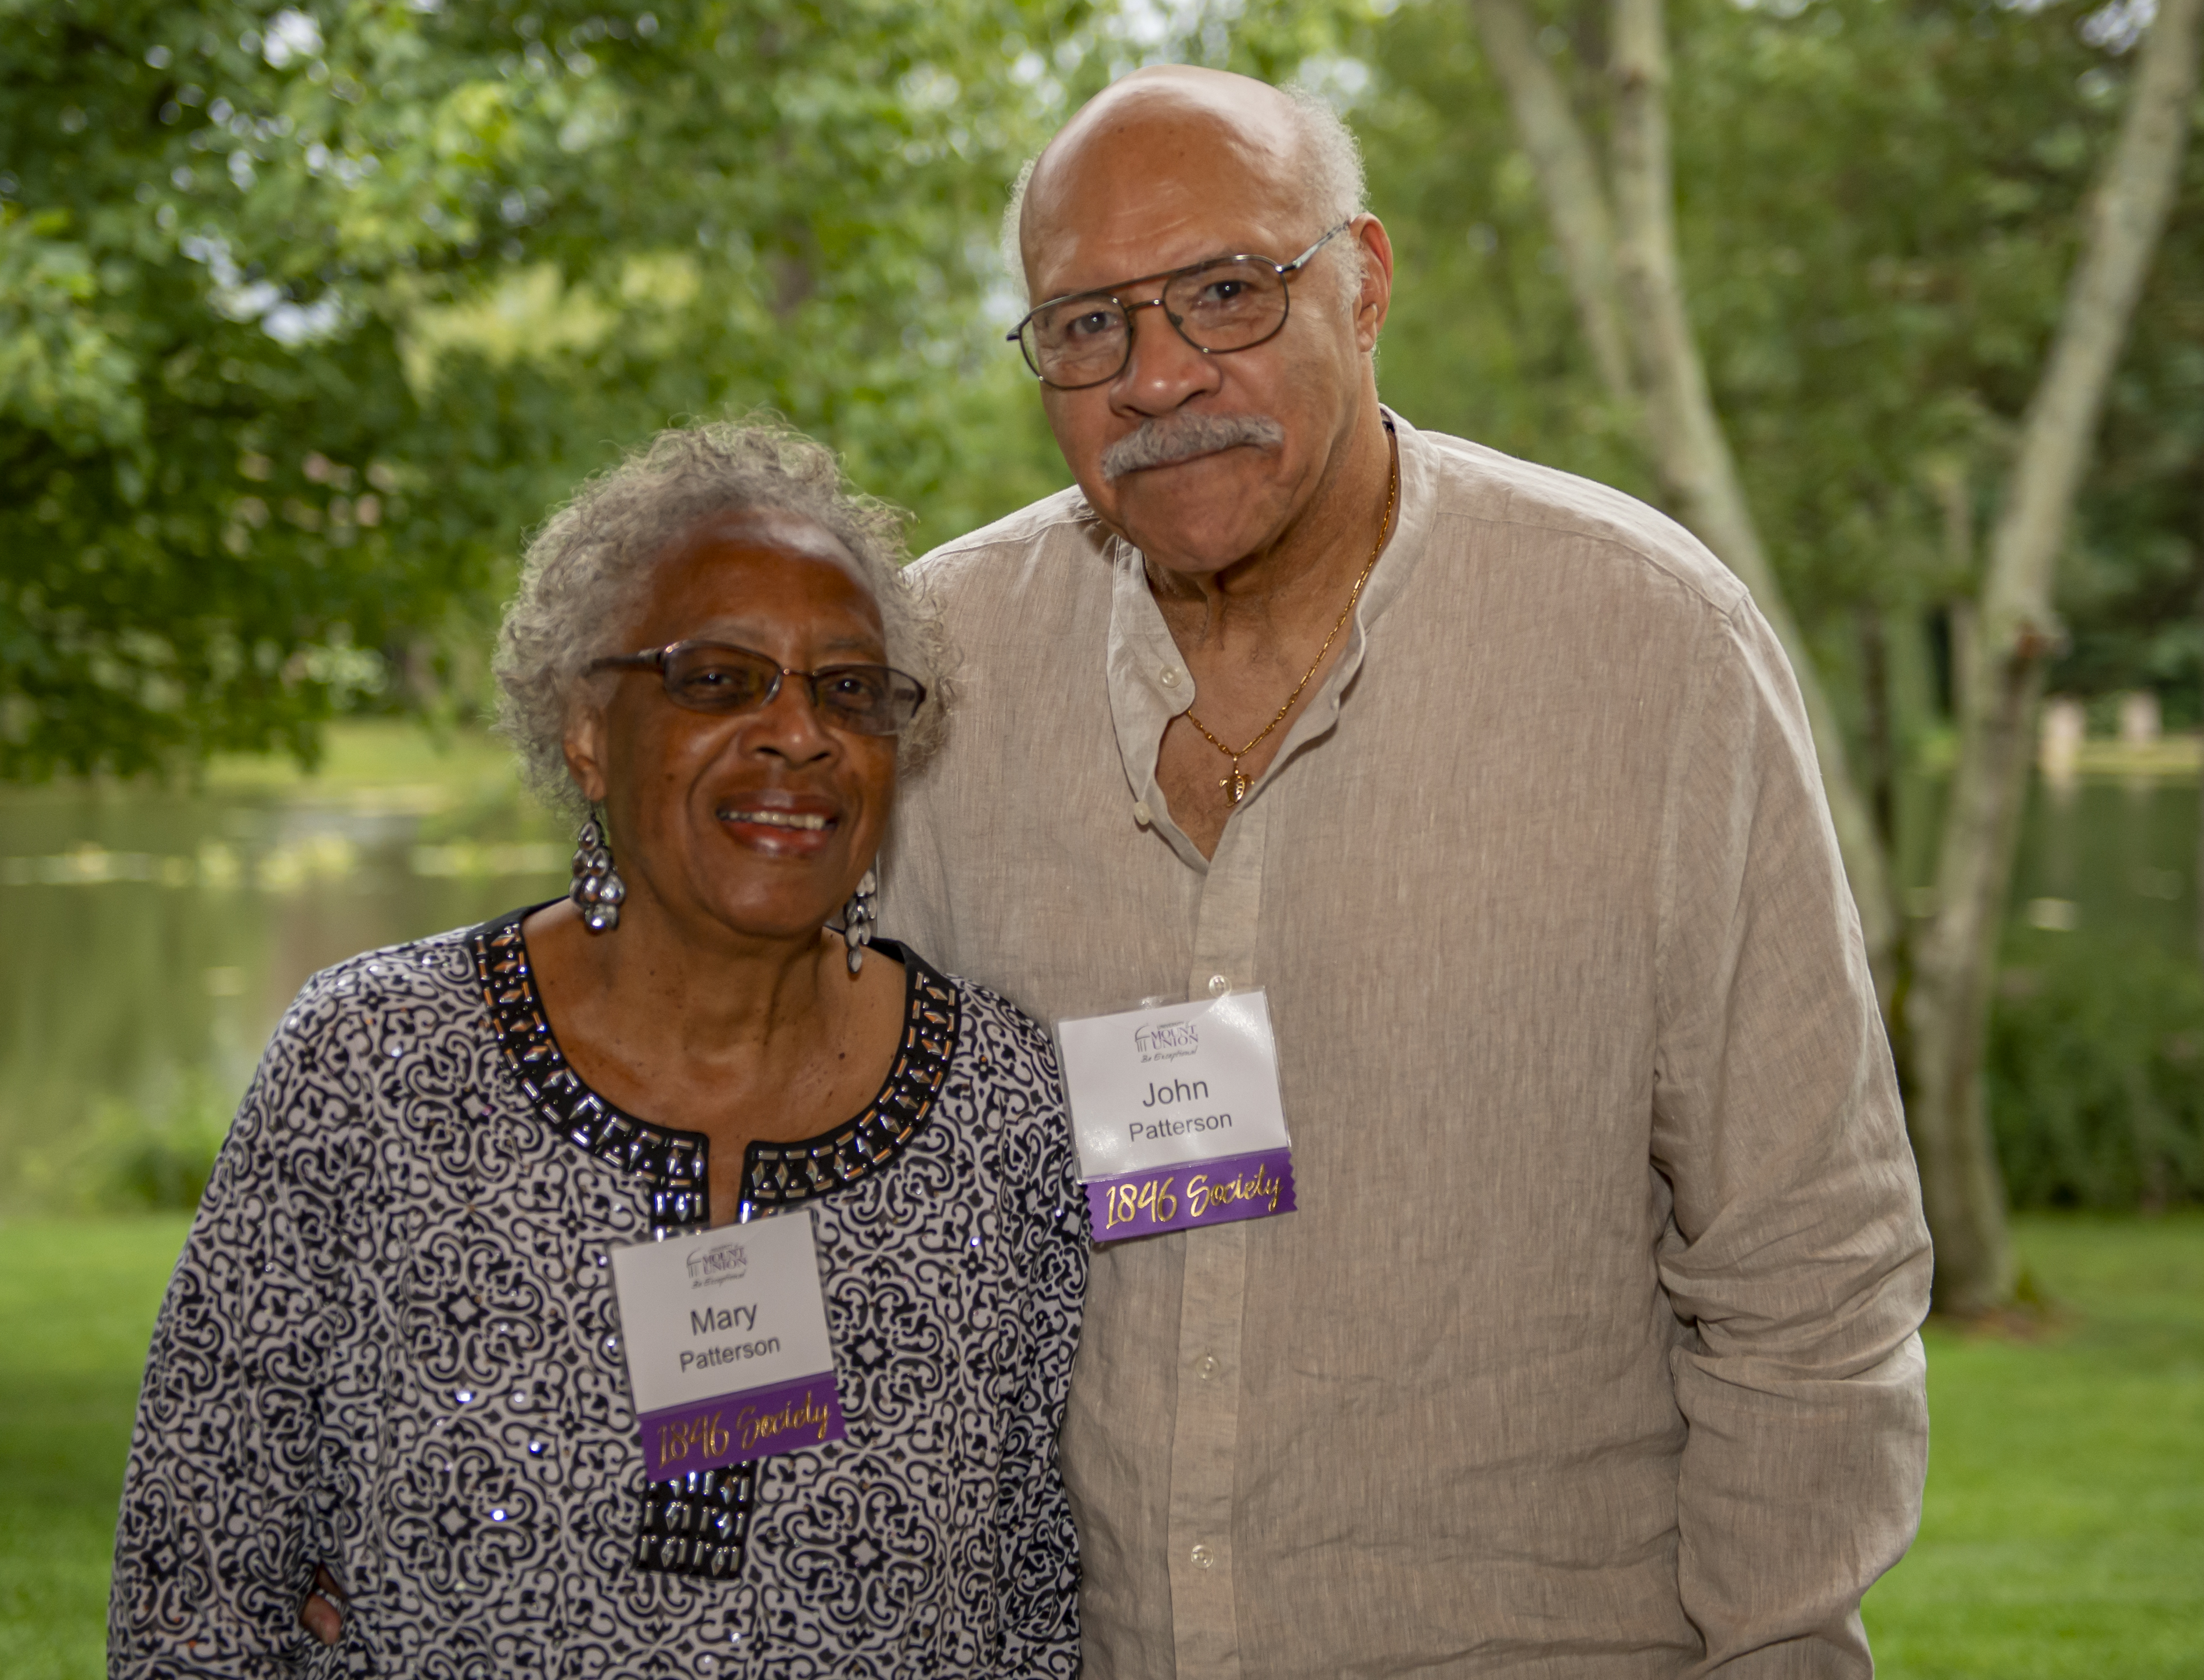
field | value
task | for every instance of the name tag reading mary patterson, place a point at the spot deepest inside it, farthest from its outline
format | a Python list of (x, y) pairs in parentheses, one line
[(728, 1356), (1176, 1115)]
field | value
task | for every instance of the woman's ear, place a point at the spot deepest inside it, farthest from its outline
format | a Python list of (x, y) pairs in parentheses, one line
[(585, 747)]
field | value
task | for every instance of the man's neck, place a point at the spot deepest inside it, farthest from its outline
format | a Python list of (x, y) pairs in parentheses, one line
[(1300, 578)]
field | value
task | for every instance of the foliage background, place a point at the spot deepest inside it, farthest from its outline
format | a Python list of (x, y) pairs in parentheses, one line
[(308, 312), (305, 317), (305, 313)]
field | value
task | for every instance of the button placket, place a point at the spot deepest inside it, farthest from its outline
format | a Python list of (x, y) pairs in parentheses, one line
[(1204, 1438), (1205, 1442)]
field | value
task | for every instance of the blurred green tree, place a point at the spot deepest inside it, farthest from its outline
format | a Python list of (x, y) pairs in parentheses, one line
[(1876, 215), (305, 312)]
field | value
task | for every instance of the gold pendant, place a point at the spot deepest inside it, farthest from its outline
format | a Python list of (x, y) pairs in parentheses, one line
[(1234, 786)]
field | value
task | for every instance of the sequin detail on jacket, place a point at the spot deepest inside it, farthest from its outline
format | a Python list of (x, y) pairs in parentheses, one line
[(390, 1344)]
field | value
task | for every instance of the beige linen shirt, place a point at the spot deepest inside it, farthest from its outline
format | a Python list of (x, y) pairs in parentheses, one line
[(1590, 1349)]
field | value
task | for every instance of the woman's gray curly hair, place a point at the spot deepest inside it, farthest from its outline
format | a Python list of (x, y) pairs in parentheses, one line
[(590, 563)]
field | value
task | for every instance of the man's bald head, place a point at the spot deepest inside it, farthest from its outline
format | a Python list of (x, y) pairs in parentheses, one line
[(1202, 458), (1289, 135)]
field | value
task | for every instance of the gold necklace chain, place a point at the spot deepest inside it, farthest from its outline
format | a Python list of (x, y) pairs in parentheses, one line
[(1235, 785)]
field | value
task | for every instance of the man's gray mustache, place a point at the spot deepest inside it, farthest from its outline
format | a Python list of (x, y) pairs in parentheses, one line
[(1158, 443)]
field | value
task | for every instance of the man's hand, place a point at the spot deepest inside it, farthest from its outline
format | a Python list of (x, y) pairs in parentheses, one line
[(323, 1613)]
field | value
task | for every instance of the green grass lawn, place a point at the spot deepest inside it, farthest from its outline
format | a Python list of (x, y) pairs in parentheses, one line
[(77, 1301), (2064, 1533)]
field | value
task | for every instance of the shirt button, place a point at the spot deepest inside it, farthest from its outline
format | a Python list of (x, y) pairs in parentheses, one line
[(1219, 985), (1169, 676), (1141, 814), (1208, 1368), (1203, 1557)]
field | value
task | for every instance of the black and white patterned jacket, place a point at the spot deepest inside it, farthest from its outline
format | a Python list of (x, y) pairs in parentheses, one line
[(391, 1345)]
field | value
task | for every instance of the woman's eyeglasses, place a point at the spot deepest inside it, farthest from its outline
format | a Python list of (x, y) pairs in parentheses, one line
[(712, 677)]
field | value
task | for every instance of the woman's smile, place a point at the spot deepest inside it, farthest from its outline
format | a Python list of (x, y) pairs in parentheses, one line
[(779, 824)]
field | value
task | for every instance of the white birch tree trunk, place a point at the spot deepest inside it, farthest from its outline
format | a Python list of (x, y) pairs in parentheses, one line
[(1567, 175), (1626, 278), (1626, 283), (1691, 452), (2016, 631)]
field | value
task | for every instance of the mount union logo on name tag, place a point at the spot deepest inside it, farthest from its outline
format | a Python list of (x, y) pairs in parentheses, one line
[(1170, 1035), (722, 1262)]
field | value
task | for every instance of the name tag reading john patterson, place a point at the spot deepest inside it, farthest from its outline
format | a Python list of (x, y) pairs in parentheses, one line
[(728, 1356), (1176, 1115)]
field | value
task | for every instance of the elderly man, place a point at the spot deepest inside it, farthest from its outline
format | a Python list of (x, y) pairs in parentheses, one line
[(1590, 1349)]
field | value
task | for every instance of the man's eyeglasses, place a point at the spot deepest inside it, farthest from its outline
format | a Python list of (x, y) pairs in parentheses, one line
[(712, 677), (1224, 305)]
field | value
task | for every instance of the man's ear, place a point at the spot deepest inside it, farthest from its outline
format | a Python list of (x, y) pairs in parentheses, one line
[(1376, 295), (585, 744)]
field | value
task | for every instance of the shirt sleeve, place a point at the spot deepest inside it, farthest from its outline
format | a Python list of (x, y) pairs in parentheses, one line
[(1797, 1258), (1039, 1566), (223, 1509)]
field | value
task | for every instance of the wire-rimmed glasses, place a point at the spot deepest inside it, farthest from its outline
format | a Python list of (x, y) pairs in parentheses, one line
[(1219, 305), (716, 677)]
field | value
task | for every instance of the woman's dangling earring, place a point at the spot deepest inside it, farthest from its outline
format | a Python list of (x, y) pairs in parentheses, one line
[(857, 920), (598, 890)]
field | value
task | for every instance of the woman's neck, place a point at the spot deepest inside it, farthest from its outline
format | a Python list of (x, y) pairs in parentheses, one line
[(741, 1038), (699, 995)]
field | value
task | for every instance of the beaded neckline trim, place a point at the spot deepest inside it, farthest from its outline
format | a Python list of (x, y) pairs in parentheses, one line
[(777, 1175), (699, 1523), (677, 1163)]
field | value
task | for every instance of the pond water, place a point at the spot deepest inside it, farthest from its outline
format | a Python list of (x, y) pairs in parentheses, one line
[(2110, 858), (164, 933)]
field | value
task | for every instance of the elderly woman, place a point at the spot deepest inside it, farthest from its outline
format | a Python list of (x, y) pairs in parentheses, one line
[(390, 1360)]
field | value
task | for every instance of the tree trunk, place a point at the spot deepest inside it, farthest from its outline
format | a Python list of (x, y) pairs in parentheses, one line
[(1948, 1000), (1941, 1020), (1568, 180), (1689, 451), (1629, 300)]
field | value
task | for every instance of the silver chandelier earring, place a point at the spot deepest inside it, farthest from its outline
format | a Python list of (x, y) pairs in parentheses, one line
[(598, 890), (858, 917)]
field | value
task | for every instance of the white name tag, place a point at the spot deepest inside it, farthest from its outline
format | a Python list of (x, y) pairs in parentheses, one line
[(728, 1356), (1176, 1116)]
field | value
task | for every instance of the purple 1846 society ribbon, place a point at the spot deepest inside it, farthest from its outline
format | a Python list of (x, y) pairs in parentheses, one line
[(1197, 1193), (734, 1428)]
